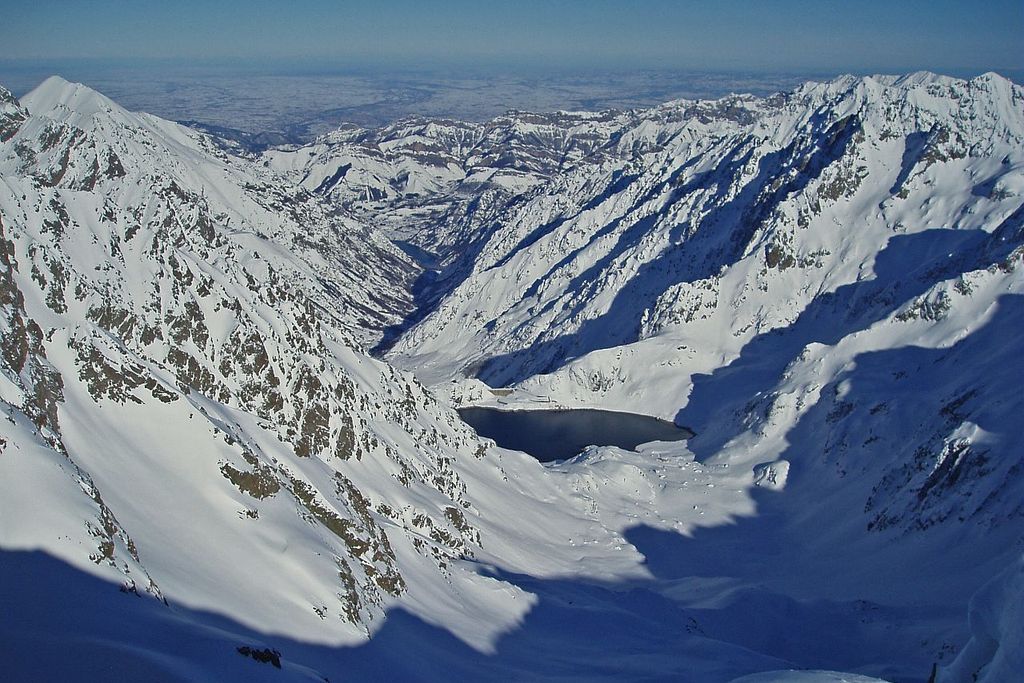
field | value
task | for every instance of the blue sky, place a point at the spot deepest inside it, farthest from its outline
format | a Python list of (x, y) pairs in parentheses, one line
[(802, 35)]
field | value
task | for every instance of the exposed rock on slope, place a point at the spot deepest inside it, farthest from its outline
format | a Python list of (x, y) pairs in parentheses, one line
[(177, 333), (825, 283), (746, 214)]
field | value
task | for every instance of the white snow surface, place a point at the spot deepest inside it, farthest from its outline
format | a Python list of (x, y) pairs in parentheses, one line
[(826, 285)]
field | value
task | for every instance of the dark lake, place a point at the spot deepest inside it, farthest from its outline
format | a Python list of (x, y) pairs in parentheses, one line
[(559, 434)]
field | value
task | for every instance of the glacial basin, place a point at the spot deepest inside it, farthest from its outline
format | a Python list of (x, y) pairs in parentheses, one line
[(550, 435)]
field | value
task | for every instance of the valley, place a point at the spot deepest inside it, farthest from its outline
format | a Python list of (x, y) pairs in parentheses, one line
[(236, 388)]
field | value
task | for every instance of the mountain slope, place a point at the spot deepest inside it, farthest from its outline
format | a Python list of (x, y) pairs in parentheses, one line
[(184, 400), (87, 140), (826, 285), (440, 187), (732, 280), (613, 254)]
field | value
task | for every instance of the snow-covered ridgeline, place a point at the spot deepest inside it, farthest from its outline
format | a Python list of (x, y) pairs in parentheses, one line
[(825, 284)]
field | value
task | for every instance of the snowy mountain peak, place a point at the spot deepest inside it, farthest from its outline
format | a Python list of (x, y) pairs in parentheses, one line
[(919, 78), (8, 102), (56, 95), (197, 314)]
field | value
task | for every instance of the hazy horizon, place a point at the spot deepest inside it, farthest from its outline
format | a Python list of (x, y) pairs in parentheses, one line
[(786, 35), (307, 67), (296, 103)]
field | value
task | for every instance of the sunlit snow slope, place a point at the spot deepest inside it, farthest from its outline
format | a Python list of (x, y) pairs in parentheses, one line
[(826, 286), (200, 469), (187, 419)]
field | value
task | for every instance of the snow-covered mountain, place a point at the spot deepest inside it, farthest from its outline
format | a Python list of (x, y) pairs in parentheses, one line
[(177, 341), (417, 158), (441, 188), (736, 277), (613, 253), (826, 285), (186, 413)]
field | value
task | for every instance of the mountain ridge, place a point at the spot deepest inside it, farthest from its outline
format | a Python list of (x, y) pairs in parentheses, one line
[(825, 288)]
